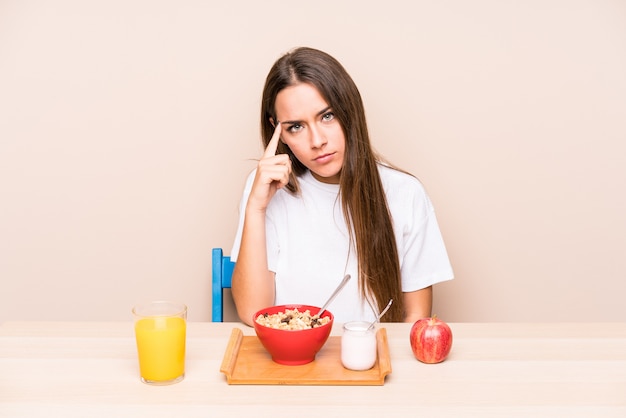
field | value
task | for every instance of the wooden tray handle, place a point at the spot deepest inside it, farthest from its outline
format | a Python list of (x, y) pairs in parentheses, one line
[(232, 350)]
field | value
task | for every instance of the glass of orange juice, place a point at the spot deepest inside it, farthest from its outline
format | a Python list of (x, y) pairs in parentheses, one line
[(160, 331)]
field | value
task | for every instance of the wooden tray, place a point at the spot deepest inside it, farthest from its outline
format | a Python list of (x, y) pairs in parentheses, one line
[(246, 362)]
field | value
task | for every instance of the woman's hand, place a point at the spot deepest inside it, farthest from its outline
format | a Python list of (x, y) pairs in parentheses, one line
[(272, 174)]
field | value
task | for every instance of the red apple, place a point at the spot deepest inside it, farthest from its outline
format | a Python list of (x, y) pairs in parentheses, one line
[(431, 340)]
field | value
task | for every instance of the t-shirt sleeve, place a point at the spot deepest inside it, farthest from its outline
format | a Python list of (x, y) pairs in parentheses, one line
[(423, 256), (234, 252)]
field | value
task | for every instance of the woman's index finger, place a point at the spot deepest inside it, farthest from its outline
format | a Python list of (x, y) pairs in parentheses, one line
[(270, 150)]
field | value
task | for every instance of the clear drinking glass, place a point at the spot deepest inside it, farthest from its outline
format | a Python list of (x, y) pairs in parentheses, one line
[(160, 331)]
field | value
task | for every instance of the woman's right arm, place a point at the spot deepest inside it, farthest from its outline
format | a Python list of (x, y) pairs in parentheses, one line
[(253, 283)]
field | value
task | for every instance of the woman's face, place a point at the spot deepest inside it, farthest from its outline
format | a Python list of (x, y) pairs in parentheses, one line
[(310, 130)]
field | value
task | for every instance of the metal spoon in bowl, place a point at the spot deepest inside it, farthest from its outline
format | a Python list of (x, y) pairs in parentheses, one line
[(380, 315), (330, 299)]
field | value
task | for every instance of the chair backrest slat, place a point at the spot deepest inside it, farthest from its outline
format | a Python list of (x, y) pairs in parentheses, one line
[(221, 278)]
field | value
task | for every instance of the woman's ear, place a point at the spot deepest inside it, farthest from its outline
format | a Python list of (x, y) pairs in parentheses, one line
[(272, 122)]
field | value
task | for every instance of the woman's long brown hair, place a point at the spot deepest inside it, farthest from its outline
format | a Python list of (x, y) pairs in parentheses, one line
[(362, 196)]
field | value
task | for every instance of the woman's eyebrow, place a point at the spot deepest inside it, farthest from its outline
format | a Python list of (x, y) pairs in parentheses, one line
[(321, 112), (293, 122)]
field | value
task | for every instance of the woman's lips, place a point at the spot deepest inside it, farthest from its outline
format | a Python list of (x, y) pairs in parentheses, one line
[(324, 158)]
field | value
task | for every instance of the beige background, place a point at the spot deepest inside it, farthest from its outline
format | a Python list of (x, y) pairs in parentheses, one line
[(127, 128)]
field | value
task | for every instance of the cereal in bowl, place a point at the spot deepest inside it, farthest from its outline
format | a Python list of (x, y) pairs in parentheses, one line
[(292, 320)]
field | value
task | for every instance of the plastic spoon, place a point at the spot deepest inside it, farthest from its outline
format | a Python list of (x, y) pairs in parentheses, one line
[(330, 299), (380, 315)]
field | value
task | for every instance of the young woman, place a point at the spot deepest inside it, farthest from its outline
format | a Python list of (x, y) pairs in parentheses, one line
[(322, 204)]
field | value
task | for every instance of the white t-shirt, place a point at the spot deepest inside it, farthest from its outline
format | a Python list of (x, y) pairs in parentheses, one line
[(308, 243)]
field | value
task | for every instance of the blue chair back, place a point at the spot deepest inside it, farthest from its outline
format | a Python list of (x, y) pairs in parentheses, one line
[(221, 278)]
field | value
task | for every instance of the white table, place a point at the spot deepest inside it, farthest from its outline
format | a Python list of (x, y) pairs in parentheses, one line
[(89, 369)]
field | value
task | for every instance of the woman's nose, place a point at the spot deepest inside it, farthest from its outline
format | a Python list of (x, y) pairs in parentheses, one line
[(318, 139)]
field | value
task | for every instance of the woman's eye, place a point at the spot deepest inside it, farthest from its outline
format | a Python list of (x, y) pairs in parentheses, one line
[(294, 128), (328, 116)]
